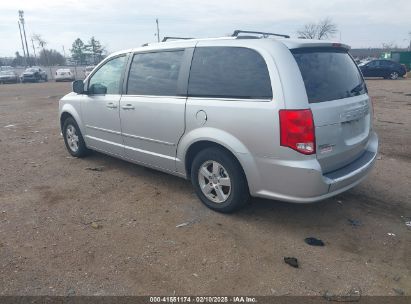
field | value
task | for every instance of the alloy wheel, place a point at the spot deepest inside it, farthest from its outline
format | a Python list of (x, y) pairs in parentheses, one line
[(214, 181)]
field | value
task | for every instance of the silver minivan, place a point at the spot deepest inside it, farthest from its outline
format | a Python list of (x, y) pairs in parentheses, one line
[(275, 118)]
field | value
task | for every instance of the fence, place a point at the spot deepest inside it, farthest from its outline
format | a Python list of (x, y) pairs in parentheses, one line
[(51, 71)]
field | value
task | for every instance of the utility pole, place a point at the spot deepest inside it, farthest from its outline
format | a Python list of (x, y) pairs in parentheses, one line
[(22, 43), (34, 51), (158, 31), (21, 16), (64, 52)]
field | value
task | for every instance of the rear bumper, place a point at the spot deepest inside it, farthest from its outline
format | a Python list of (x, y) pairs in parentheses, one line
[(304, 182), (64, 78)]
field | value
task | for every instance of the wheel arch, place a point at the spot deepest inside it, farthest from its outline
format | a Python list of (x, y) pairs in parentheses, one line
[(67, 111), (200, 145)]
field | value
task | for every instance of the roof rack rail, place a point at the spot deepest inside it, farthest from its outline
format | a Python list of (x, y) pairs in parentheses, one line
[(236, 32), (175, 38)]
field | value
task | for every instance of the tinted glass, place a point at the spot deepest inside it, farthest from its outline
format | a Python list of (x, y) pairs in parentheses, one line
[(329, 74), (155, 73), (229, 72), (107, 79), (374, 64)]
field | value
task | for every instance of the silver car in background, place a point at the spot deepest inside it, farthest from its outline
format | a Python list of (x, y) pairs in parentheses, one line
[(64, 75), (276, 118)]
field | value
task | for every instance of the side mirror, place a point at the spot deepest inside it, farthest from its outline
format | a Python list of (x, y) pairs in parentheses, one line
[(97, 89), (78, 86)]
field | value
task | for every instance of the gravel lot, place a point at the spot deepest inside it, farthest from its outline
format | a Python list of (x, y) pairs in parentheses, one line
[(65, 230)]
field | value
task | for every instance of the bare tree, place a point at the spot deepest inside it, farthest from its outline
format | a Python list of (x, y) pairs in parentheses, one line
[(389, 46), (324, 29), (40, 42)]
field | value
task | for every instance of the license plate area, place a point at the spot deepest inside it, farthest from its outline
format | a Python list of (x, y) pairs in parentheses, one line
[(354, 131)]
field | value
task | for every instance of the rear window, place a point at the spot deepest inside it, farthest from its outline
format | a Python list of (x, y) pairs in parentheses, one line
[(329, 74), (229, 72)]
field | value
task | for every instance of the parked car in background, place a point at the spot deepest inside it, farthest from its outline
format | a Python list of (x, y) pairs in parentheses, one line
[(9, 77), (64, 75), (6, 68), (33, 74), (88, 70), (283, 119), (387, 69)]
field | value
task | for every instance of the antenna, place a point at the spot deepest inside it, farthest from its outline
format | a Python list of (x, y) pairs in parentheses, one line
[(158, 31)]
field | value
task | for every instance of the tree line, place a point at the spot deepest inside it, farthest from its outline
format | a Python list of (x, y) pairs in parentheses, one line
[(91, 52)]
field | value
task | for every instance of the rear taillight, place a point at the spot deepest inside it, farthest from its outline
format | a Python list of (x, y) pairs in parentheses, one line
[(297, 130)]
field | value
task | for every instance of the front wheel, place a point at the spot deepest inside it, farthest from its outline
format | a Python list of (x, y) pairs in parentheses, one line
[(219, 180), (73, 139), (394, 75)]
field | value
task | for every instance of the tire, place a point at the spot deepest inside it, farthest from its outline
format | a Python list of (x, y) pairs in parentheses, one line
[(394, 75), (232, 193), (73, 139)]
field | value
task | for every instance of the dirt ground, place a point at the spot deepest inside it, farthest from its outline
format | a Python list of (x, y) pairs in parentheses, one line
[(65, 230)]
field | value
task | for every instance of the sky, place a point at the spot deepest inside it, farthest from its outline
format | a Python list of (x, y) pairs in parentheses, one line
[(122, 24)]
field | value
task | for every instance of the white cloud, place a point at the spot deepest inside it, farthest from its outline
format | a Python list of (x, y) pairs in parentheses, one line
[(126, 23)]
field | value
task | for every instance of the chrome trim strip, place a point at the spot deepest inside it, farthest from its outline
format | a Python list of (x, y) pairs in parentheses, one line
[(105, 141), (131, 148), (151, 153), (104, 130), (230, 99), (127, 96), (149, 139)]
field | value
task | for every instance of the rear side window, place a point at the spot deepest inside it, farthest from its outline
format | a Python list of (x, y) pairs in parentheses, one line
[(329, 74), (229, 72), (155, 73)]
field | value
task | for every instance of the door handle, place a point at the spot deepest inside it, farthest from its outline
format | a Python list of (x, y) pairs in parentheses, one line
[(128, 107), (111, 105)]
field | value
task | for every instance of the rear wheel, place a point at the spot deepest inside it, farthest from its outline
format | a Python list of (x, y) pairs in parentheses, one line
[(219, 181), (73, 139), (394, 75)]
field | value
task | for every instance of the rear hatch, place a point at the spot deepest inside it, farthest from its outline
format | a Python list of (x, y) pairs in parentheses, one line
[(338, 99)]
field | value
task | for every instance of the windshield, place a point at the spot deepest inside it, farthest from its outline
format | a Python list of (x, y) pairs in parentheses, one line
[(6, 73), (329, 74), (31, 70)]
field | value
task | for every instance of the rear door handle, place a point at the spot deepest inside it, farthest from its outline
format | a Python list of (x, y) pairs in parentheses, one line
[(111, 105), (128, 107)]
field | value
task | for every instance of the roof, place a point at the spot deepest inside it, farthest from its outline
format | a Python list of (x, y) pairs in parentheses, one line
[(289, 43)]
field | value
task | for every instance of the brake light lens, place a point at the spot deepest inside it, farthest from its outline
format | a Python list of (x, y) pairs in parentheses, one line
[(297, 130)]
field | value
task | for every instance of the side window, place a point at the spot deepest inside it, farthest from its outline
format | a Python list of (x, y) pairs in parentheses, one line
[(373, 64), (229, 72), (385, 64), (155, 73), (107, 79)]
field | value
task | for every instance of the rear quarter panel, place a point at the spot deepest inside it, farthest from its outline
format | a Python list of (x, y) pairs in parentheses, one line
[(248, 128)]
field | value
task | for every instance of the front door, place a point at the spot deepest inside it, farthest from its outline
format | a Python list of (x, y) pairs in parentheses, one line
[(151, 111), (100, 108)]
